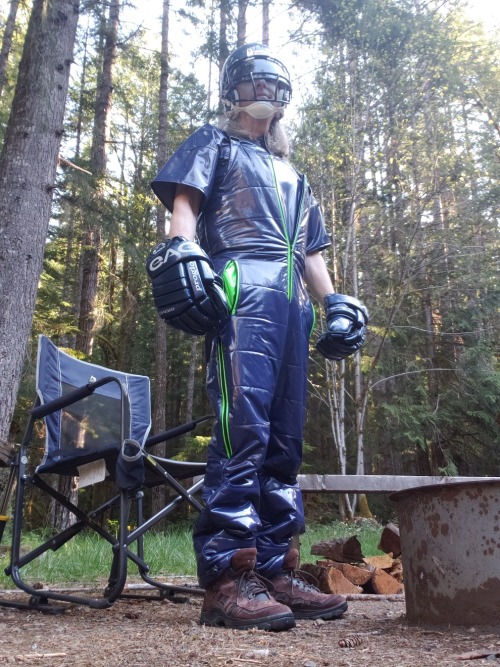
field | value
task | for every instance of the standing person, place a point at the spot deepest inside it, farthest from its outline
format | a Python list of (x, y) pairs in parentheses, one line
[(246, 236)]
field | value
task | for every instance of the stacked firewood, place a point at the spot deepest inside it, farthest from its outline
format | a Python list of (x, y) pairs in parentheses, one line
[(345, 570)]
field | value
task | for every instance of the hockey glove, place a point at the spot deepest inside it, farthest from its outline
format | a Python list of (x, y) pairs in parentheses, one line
[(188, 294), (346, 320)]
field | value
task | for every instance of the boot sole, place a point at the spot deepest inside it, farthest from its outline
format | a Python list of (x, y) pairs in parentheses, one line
[(272, 624), (325, 614)]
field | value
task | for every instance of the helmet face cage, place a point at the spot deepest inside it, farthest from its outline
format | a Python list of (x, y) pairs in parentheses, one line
[(248, 64)]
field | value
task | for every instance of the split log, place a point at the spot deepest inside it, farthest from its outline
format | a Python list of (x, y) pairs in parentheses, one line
[(347, 572), (357, 575), (396, 570), (390, 541), (345, 550), (384, 562), (331, 580), (383, 583)]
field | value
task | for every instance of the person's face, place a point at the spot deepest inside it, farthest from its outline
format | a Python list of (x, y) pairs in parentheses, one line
[(259, 89)]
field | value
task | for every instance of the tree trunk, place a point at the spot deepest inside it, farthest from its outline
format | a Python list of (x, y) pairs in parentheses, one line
[(72, 265), (225, 17), (242, 22), (92, 234), (7, 42), (160, 379), (28, 166), (265, 21), (335, 381)]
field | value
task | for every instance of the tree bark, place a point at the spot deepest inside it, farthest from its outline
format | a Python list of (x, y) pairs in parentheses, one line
[(7, 42), (225, 16), (265, 21), (28, 166), (242, 22)]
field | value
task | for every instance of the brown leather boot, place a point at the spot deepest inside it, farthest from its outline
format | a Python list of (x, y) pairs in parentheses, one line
[(296, 590), (240, 599)]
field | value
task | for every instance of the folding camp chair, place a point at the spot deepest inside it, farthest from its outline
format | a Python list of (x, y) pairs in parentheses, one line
[(97, 423)]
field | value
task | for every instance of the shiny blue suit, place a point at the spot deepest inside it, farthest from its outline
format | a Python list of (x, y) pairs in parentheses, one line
[(258, 220)]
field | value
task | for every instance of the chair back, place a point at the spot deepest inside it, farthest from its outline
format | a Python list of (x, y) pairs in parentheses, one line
[(96, 426)]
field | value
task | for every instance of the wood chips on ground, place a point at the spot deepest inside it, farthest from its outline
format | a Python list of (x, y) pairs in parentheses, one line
[(133, 633)]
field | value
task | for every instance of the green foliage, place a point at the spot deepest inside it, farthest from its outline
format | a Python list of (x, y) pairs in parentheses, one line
[(194, 448), (400, 129), (86, 559)]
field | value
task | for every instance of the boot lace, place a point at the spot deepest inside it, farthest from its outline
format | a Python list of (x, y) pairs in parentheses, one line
[(252, 585), (303, 581)]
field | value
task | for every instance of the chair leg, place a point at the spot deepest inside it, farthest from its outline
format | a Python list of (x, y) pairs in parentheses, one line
[(165, 591), (120, 547), (121, 553)]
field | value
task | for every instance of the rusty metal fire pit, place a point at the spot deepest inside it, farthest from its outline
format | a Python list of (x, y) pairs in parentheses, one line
[(450, 549)]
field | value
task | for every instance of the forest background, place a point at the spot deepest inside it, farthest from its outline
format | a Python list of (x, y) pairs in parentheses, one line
[(395, 121)]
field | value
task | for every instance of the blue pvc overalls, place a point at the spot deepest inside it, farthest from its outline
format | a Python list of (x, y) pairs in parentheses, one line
[(258, 220)]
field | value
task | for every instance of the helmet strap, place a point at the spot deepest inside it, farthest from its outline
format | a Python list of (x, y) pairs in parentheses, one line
[(260, 110)]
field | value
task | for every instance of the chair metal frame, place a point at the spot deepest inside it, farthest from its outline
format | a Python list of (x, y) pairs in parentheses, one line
[(164, 470)]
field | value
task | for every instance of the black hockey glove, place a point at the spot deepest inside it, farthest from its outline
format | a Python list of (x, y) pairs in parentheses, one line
[(346, 320), (188, 294)]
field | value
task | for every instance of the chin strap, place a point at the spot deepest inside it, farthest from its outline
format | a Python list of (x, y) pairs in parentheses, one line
[(259, 110)]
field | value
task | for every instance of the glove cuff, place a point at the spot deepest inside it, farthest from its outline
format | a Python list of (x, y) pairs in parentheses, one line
[(333, 299), (330, 300)]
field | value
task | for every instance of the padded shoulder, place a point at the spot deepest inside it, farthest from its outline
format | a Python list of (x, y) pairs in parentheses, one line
[(207, 135), (193, 163)]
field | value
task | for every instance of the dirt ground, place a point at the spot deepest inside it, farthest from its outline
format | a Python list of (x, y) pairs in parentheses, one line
[(137, 632)]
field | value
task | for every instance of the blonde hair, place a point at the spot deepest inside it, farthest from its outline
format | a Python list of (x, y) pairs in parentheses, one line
[(276, 139)]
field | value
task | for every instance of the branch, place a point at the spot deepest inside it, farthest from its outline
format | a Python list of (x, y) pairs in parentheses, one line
[(67, 163), (425, 370)]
